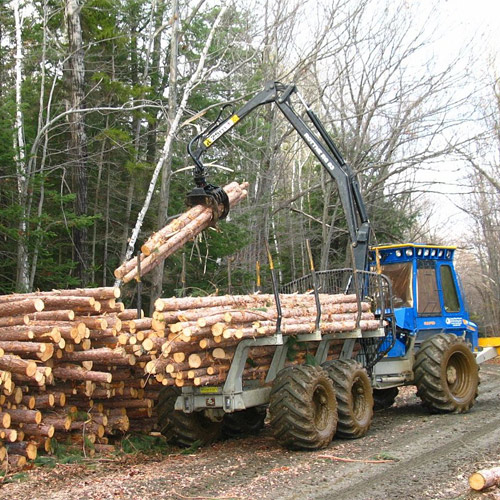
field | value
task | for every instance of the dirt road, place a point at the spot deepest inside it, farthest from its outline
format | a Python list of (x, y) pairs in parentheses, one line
[(408, 454)]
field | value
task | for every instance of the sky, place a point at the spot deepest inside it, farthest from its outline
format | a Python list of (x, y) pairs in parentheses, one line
[(460, 21)]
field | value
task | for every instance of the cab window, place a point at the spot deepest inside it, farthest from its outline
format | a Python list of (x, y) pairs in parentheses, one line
[(427, 290), (401, 275), (450, 296)]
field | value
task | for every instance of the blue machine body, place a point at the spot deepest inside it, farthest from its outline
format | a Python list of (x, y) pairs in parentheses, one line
[(427, 294)]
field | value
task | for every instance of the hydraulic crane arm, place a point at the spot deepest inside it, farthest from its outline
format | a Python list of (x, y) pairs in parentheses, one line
[(325, 151)]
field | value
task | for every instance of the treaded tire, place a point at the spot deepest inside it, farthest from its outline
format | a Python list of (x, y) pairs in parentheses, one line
[(247, 422), (446, 374), (384, 398), (302, 408), (354, 397), (184, 429)]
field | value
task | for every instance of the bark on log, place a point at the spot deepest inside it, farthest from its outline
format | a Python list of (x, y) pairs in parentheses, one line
[(75, 372), (21, 307), (188, 232), (247, 301), (15, 364), (484, 478), (161, 236), (20, 416)]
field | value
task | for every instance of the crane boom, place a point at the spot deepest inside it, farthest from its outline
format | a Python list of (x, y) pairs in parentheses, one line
[(323, 147)]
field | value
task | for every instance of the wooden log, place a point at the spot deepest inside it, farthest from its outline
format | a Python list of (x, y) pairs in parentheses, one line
[(161, 236), (20, 306), (103, 355), (21, 320), (75, 302), (59, 315), (29, 401), (15, 364), (20, 416), (485, 478), (16, 332), (9, 435), (27, 449), (118, 422), (16, 461), (253, 301), (41, 430), (59, 422), (39, 348), (44, 401), (75, 372), (88, 427), (188, 232), (5, 419)]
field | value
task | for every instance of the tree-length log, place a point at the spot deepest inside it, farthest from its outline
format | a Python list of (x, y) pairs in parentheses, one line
[(161, 236), (188, 232), (248, 301)]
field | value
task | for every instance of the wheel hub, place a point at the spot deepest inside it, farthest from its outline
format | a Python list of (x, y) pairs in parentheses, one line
[(451, 374)]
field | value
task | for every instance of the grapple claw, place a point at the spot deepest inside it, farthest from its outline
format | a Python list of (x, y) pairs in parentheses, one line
[(212, 197)]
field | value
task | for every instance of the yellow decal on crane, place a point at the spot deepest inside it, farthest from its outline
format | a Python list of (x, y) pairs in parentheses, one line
[(222, 129)]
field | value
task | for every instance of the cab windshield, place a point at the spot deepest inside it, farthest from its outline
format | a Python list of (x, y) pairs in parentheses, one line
[(401, 276)]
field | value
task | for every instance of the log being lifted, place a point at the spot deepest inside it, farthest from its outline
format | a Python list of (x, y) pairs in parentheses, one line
[(176, 234)]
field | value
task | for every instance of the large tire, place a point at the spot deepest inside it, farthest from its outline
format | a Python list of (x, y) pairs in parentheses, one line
[(247, 422), (184, 429), (302, 408), (384, 398), (446, 374), (354, 397)]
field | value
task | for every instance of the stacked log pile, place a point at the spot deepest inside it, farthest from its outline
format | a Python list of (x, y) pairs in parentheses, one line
[(71, 366), (176, 234), (201, 333), (77, 365)]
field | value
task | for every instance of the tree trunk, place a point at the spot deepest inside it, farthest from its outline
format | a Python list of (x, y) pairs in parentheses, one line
[(78, 138), (157, 277), (22, 279)]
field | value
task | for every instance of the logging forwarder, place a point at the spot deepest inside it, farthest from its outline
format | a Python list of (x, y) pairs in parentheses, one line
[(425, 336)]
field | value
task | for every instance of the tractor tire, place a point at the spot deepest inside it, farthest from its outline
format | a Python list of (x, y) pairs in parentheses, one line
[(184, 429), (384, 398), (354, 397), (303, 408), (247, 422), (446, 374)]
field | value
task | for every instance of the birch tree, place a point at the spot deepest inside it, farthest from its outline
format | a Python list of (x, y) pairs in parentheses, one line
[(195, 79), (22, 281)]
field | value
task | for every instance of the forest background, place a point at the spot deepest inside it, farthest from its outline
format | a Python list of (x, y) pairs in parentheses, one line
[(99, 99)]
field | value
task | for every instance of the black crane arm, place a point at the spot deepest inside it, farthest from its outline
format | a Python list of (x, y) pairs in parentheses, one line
[(327, 154)]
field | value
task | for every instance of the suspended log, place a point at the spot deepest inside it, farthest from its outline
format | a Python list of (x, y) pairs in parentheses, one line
[(176, 241)]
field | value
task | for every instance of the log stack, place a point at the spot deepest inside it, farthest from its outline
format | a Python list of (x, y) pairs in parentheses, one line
[(176, 234), (76, 365), (199, 335), (64, 371)]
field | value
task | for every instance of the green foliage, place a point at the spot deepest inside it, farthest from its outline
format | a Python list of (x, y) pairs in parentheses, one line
[(145, 444), (18, 477)]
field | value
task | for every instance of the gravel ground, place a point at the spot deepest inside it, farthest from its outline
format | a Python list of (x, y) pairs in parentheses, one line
[(407, 454)]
